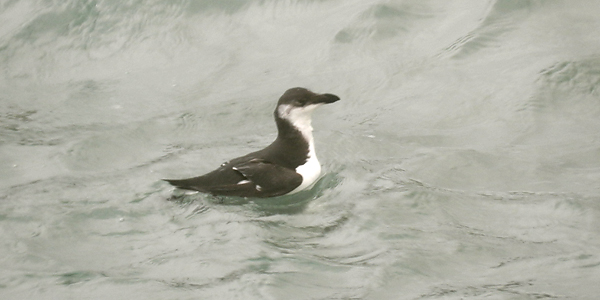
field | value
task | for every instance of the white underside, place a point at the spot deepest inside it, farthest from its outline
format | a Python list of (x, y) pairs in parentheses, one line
[(310, 172), (300, 117)]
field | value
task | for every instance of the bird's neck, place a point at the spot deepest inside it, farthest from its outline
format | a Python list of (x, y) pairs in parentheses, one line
[(294, 145), (294, 123)]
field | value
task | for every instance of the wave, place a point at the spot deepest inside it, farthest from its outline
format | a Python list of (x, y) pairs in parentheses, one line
[(503, 17)]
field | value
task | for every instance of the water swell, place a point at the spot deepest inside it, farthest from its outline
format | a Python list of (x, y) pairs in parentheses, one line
[(503, 17)]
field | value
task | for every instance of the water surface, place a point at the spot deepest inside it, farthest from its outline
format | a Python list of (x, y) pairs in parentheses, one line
[(463, 161)]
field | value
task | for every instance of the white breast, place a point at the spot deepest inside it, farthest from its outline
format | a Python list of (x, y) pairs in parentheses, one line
[(310, 171)]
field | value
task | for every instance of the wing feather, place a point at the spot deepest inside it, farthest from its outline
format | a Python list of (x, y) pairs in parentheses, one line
[(252, 178)]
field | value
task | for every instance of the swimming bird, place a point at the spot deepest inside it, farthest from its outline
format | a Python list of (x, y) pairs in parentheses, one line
[(286, 166)]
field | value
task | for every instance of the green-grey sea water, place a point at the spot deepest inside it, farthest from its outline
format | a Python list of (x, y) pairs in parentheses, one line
[(463, 161)]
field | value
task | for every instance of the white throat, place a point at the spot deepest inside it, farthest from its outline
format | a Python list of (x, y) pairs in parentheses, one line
[(301, 119)]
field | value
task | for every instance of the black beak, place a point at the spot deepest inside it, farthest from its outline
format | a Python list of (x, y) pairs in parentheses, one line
[(326, 98)]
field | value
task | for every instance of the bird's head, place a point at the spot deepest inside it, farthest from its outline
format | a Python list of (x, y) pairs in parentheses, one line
[(297, 104)]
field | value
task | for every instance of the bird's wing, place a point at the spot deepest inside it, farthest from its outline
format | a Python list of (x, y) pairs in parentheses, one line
[(268, 179), (245, 178)]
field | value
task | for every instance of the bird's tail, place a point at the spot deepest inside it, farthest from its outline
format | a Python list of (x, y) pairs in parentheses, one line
[(181, 183)]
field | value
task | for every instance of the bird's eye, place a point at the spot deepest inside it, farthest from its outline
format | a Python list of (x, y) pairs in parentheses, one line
[(299, 102)]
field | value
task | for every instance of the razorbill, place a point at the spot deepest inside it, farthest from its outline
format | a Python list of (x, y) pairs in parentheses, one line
[(286, 166)]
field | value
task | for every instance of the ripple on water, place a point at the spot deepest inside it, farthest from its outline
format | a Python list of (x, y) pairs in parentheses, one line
[(501, 18), (304, 243), (575, 81), (321, 253), (116, 149), (385, 21)]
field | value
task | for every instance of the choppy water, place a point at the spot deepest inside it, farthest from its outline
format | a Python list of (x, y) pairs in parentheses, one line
[(463, 161)]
